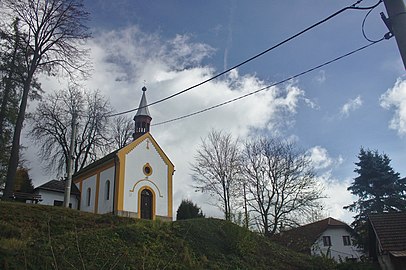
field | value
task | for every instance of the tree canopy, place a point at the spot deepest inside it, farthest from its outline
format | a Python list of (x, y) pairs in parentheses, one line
[(187, 209), (281, 183), (378, 188), (270, 178), (216, 169), (51, 128)]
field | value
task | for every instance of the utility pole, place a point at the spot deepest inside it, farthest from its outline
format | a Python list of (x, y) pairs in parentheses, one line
[(397, 23), (68, 182), (245, 207)]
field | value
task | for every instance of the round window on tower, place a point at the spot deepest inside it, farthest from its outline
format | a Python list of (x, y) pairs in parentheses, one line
[(147, 169)]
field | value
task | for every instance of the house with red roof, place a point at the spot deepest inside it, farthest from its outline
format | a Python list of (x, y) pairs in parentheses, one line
[(328, 237), (387, 240)]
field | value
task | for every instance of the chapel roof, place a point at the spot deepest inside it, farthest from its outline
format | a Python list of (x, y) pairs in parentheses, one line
[(108, 158), (390, 230), (97, 163)]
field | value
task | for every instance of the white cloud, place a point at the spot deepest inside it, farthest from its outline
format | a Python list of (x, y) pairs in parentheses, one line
[(321, 76), (335, 190), (395, 97), (337, 197), (351, 105), (322, 160)]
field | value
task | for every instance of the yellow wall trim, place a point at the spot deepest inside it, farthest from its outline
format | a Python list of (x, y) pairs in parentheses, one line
[(96, 203), (146, 179), (170, 191)]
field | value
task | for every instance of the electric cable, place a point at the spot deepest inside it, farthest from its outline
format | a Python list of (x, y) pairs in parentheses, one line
[(363, 22), (353, 6), (269, 86)]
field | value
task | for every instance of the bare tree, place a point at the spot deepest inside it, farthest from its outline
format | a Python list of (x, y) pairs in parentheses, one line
[(281, 183), (216, 168), (51, 128), (122, 131), (52, 39)]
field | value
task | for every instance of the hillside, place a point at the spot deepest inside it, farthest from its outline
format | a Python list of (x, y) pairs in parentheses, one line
[(44, 237)]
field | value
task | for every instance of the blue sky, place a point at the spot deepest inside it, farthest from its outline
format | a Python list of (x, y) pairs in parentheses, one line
[(331, 112)]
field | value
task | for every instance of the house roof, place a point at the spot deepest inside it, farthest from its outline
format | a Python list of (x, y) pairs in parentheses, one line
[(303, 237), (390, 230), (58, 186)]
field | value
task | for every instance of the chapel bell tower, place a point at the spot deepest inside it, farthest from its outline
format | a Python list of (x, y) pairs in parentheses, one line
[(142, 118)]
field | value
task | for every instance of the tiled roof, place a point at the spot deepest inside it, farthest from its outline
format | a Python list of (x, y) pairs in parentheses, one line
[(390, 230), (58, 186), (98, 162), (302, 238)]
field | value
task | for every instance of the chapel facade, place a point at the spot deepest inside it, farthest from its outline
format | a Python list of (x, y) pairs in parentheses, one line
[(133, 181)]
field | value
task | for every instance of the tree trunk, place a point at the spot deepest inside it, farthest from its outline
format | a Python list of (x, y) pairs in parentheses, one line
[(245, 207), (14, 155)]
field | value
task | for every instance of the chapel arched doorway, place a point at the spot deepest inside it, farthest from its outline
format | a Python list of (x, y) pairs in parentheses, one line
[(146, 204)]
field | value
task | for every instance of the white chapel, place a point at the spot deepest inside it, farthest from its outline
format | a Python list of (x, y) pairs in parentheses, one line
[(134, 181)]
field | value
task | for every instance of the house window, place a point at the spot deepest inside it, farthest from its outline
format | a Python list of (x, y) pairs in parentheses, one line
[(346, 240), (326, 241), (60, 203), (89, 192), (107, 190)]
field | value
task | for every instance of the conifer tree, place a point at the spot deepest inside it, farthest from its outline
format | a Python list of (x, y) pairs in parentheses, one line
[(187, 209), (379, 189)]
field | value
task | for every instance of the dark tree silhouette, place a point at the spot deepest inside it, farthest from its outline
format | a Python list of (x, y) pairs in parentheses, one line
[(379, 189), (187, 209)]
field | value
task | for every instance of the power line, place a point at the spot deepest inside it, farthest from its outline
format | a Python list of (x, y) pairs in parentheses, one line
[(269, 86), (353, 6)]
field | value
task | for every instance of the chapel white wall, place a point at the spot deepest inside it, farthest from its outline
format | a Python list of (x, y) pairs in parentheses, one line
[(89, 182), (106, 205), (134, 178)]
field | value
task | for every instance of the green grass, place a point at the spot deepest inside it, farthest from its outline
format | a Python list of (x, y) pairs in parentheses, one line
[(44, 237)]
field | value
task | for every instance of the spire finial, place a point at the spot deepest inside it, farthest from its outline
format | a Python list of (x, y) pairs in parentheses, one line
[(144, 89)]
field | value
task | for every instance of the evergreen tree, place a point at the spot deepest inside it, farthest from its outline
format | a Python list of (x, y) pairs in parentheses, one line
[(187, 209), (379, 189), (23, 182), (12, 72)]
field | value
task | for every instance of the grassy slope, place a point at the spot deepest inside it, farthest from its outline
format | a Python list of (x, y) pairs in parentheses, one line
[(44, 237)]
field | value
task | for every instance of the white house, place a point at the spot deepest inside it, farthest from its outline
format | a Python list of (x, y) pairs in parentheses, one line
[(52, 193), (133, 181), (328, 237)]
